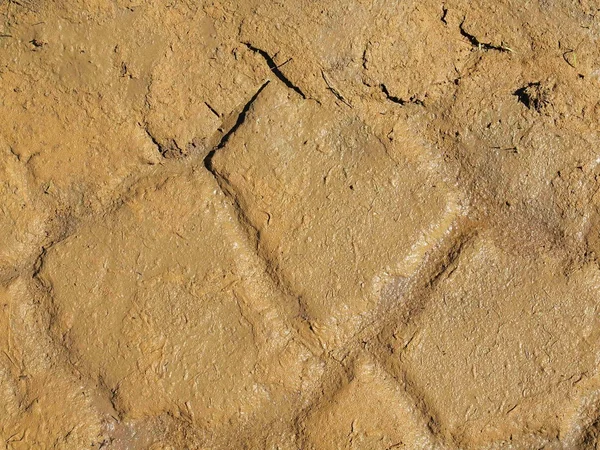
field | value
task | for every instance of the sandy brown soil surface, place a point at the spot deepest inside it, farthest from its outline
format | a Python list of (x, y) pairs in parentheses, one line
[(343, 224)]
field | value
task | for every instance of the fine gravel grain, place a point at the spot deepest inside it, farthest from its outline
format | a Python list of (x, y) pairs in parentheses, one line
[(343, 224)]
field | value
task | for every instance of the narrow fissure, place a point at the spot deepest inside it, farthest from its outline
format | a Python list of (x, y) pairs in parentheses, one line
[(481, 45), (240, 120), (275, 69), (398, 100)]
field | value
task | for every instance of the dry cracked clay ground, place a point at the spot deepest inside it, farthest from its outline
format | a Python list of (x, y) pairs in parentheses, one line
[(344, 224)]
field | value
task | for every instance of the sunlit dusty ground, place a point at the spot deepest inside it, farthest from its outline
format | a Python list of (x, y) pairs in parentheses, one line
[(299, 224)]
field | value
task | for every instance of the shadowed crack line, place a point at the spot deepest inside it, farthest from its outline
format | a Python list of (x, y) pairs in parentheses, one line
[(240, 120), (482, 45), (212, 110), (275, 69), (398, 100), (444, 15), (152, 138), (243, 219)]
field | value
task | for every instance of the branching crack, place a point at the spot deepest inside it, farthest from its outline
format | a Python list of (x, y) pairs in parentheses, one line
[(482, 45), (275, 69), (208, 163), (240, 120), (392, 98), (242, 217)]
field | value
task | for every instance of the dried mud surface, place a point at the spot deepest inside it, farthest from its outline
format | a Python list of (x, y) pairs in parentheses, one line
[(300, 225)]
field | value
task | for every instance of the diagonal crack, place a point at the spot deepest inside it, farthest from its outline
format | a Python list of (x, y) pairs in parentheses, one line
[(275, 69), (239, 121), (167, 149), (251, 231), (335, 92), (208, 161)]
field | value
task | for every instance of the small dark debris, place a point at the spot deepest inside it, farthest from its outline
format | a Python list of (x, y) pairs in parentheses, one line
[(194, 145), (533, 96), (124, 72), (37, 44)]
